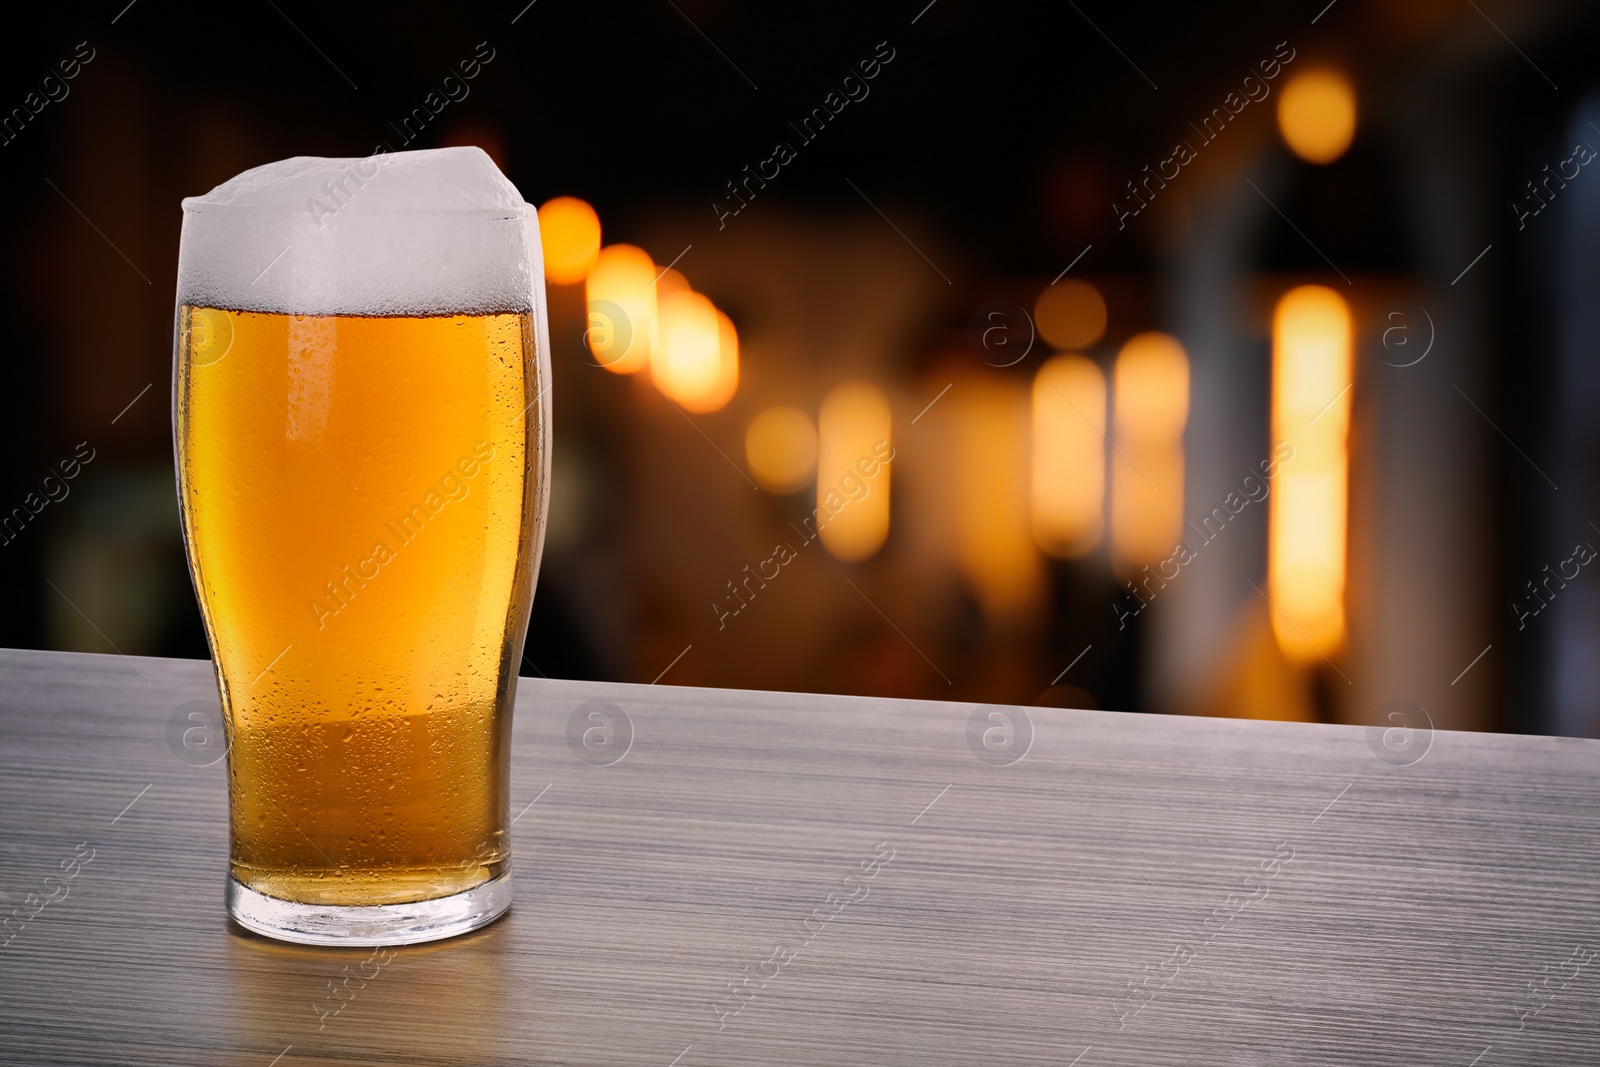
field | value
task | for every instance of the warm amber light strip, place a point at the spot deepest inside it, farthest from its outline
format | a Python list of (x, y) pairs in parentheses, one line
[(1150, 402), (1311, 387)]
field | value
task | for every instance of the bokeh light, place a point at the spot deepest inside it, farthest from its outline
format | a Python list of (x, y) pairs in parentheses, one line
[(780, 447), (1150, 400), (726, 383), (1317, 115), (995, 549), (1069, 456), (1070, 314), (671, 281), (621, 294), (1152, 383), (853, 443), (685, 361), (1311, 367), (569, 231)]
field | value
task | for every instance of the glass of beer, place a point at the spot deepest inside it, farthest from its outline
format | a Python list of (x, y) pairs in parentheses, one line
[(361, 417)]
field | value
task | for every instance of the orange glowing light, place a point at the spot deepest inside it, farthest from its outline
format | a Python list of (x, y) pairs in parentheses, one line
[(1311, 379), (995, 546), (1150, 400), (1317, 115), (686, 362), (671, 281), (726, 382), (1069, 456), (569, 231), (621, 294), (780, 446), (1070, 314), (853, 452)]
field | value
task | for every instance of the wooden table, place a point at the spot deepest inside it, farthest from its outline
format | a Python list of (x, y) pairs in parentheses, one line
[(1133, 890)]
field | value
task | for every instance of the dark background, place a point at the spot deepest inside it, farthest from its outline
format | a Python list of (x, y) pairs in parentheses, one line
[(996, 140)]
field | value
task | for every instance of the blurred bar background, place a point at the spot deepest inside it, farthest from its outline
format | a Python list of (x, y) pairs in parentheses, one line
[(1211, 363)]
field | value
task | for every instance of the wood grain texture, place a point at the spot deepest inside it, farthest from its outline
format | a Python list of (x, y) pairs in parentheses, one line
[(1020, 903)]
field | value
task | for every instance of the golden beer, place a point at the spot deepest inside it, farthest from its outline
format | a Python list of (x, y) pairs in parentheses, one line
[(363, 491), (355, 494)]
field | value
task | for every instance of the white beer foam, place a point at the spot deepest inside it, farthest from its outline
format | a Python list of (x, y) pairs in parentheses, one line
[(439, 231)]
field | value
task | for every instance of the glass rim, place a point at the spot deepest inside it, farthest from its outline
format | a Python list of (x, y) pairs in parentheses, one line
[(194, 205)]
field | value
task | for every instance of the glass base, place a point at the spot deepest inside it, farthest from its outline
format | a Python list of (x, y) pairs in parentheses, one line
[(377, 924)]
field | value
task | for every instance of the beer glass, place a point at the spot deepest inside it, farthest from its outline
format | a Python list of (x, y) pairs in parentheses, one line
[(361, 420)]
